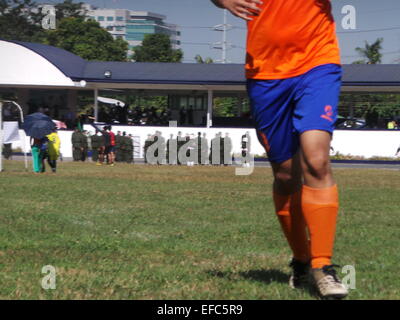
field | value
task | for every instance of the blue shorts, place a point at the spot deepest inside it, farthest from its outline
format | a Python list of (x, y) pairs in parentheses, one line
[(283, 109)]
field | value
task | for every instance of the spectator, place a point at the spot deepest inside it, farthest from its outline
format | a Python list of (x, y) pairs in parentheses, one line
[(36, 145), (97, 143), (7, 151), (53, 150), (118, 147), (391, 125), (227, 143), (111, 149), (182, 116), (190, 115), (77, 146), (204, 150), (148, 142)]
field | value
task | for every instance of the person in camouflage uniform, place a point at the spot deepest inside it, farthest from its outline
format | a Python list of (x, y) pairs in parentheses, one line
[(148, 142), (77, 147), (118, 147), (199, 142), (204, 149), (128, 149), (227, 149), (84, 144), (7, 152), (97, 145), (216, 150)]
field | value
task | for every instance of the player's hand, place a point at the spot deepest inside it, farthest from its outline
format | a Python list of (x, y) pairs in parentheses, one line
[(245, 9)]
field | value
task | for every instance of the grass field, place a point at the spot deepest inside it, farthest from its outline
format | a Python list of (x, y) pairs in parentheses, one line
[(147, 232)]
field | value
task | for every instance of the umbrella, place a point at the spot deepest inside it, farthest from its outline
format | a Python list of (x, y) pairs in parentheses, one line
[(38, 125)]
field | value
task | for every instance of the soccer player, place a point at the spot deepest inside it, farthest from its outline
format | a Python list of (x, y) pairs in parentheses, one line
[(293, 80)]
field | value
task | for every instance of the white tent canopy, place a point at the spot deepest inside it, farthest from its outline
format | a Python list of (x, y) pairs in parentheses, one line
[(111, 101), (21, 66)]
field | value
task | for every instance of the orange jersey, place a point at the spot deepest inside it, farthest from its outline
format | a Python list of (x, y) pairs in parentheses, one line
[(290, 37)]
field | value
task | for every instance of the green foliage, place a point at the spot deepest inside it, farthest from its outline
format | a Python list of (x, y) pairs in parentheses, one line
[(228, 106), (370, 106), (87, 40), (68, 9), (18, 22), (157, 48), (199, 59), (159, 103), (371, 52)]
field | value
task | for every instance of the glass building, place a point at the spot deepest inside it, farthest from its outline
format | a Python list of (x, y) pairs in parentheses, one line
[(132, 26)]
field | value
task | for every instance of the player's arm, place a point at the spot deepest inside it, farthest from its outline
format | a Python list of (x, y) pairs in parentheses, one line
[(244, 9)]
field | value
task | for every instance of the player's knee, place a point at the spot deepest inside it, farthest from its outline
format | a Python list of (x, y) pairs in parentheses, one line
[(284, 177), (318, 166)]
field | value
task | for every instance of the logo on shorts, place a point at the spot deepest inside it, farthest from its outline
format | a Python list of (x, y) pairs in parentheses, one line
[(328, 113)]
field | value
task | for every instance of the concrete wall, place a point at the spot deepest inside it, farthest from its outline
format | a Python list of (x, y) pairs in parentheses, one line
[(348, 142)]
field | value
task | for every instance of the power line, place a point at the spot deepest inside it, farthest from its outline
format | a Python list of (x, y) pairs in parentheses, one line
[(383, 53), (197, 43), (234, 46), (370, 30), (341, 32)]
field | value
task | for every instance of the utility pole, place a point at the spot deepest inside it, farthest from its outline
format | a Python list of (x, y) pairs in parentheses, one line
[(223, 45)]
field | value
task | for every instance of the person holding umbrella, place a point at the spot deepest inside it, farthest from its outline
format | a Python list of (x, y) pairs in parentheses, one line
[(37, 126), (37, 145)]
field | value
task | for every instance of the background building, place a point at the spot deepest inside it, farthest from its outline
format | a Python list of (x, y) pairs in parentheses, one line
[(132, 26)]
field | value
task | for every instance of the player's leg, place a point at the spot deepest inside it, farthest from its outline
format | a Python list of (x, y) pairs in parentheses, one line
[(272, 110), (287, 201), (320, 208), (36, 159), (100, 160), (314, 118)]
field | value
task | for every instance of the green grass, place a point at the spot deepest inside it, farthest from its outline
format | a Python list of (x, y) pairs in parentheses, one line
[(147, 232)]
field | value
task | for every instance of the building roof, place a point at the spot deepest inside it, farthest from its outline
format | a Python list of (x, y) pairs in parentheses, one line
[(356, 77), (68, 63), (165, 73)]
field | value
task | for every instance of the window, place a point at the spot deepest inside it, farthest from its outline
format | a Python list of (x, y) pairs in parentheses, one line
[(135, 36), (100, 18), (110, 28), (119, 28), (110, 18), (120, 18)]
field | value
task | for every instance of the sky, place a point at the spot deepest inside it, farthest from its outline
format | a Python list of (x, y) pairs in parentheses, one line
[(374, 19)]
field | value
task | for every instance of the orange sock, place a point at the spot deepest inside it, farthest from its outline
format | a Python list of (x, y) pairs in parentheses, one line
[(320, 207), (288, 210)]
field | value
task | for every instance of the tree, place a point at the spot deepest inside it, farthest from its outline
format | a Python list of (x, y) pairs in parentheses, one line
[(69, 9), (19, 20), (371, 52), (199, 59), (87, 40), (157, 48)]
